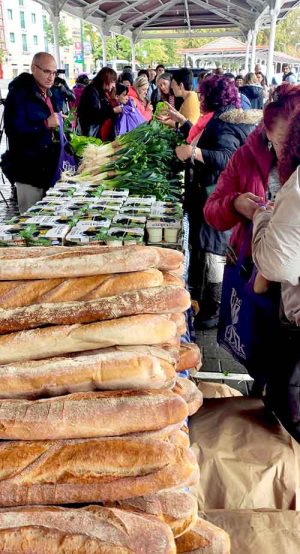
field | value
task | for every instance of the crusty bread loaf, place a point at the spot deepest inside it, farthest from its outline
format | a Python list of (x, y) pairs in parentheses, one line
[(173, 300), (176, 508), (84, 261), (96, 370), (89, 530), (90, 414), (14, 294), (53, 341), (170, 279), (204, 538), (164, 352), (90, 470), (191, 394), (189, 356), (180, 321), (179, 437)]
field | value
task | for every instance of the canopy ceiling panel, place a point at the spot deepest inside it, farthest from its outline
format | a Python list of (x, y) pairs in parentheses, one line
[(136, 16)]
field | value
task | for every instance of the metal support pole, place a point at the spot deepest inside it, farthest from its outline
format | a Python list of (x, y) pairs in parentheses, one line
[(247, 57), (104, 49), (274, 15), (55, 22), (133, 64), (253, 50)]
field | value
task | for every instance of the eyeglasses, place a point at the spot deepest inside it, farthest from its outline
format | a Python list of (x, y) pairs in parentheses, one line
[(47, 72)]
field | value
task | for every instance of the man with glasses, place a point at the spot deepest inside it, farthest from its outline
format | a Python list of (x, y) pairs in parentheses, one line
[(29, 121)]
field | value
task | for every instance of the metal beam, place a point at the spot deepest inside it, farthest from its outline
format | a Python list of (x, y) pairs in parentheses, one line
[(166, 8), (235, 20), (114, 16), (149, 35), (187, 14), (158, 12)]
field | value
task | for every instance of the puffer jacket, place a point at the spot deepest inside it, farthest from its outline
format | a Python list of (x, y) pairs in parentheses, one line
[(255, 94), (223, 135), (34, 154), (276, 245), (247, 171)]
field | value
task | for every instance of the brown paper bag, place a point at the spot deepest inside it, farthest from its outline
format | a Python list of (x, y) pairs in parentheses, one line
[(259, 531), (247, 460)]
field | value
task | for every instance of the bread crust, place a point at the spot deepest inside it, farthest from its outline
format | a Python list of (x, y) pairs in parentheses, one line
[(204, 538), (192, 395)]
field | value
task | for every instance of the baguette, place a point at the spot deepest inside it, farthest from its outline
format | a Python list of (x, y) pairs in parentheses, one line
[(159, 300), (191, 394), (78, 262), (204, 538), (96, 370), (54, 341), (176, 508), (189, 357), (90, 414), (90, 470), (170, 279), (14, 294), (89, 530)]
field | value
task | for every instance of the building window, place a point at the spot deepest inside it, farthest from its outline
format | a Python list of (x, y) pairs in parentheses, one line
[(35, 40), (12, 37), (24, 43), (9, 14), (22, 20), (21, 2), (33, 18)]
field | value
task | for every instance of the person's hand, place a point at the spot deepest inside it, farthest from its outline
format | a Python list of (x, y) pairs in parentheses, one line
[(184, 152), (53, 121), (174, 115), (247, 204), (118, 109)]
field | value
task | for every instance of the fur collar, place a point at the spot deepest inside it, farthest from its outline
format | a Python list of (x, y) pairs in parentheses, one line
[(238, 117)]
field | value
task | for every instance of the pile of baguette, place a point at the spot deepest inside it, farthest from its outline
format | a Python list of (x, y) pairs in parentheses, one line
[(95, 453)]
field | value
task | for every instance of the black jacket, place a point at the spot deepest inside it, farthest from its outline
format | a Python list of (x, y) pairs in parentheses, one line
[(61, 95), (255, 95), (222, 136), (93, 111), (33, 153)]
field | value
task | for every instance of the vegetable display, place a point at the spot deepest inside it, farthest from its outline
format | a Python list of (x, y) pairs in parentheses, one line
[(142, 161), (79, 143)]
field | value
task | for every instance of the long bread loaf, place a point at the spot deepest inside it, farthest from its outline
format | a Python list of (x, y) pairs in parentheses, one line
[(74, 262), (159, 300), (89, 530), (189, 356), (90, 470), (109, 369), (54, 341), (14, 294), (90, 414), (204, 538), (176, 508), (191, 394)]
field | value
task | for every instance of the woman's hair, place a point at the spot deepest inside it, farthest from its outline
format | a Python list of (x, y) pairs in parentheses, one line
[(126, 76), (120, 89), (82, 79), (165, 77), (239, 78), (290, 158), (250, 79), (184, 76), (140, 82), (143, 72), (263, 82), (286, 99), (218, 92), (105, 76)]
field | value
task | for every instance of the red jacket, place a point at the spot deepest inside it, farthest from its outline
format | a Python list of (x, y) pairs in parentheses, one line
[(145, 110), (247, 171)]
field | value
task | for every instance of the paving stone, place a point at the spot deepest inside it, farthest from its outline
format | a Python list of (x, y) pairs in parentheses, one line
[(232, 366)]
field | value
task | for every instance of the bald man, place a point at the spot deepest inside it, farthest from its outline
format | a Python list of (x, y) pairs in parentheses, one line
[(29, 121)]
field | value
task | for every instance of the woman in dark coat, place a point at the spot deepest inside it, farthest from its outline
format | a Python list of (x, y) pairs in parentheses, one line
[(96, 112), (219, 132), (254, 91)]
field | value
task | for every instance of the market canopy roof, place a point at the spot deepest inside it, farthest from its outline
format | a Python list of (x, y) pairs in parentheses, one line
[(135, 17)]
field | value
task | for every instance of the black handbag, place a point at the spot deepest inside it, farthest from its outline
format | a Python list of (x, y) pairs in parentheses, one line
[(7, 167)]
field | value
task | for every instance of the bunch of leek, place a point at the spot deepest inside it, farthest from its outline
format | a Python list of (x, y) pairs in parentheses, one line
[(142, 160)]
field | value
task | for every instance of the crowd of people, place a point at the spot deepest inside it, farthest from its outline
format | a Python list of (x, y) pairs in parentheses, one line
[(241, 161)]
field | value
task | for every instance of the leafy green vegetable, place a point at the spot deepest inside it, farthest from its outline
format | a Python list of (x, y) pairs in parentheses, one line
[(79, 143), (161, 109)]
